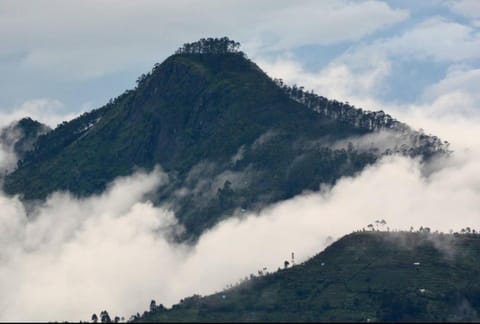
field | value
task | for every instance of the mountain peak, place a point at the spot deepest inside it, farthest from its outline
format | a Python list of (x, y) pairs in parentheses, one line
[(207, 57)]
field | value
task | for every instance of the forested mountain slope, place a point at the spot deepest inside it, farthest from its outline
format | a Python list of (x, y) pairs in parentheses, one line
[(229, 137)]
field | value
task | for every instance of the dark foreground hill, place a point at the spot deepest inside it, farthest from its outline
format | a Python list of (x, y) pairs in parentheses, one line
[(229, 137), (367, 276)]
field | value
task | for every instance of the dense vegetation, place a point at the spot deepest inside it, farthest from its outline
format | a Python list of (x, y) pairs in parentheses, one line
[(365, 276), (210, 46), (229, 137)]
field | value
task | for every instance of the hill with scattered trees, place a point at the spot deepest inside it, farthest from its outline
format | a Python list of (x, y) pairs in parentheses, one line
[(367, 276)]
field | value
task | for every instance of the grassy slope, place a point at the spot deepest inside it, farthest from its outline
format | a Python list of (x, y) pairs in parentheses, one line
[(363, 276)]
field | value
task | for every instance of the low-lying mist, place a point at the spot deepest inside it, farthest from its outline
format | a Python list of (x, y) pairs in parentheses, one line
[(66, 258)]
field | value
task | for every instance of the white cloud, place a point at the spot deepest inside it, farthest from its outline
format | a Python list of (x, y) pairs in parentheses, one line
[(458, 79), (48, 111), (358, 75), (469, 8), (360, 78), (435, 38), (326, 22), (337, 80), (8, 159), (93, 38), (70, 256), (449, 108), (439, 39)]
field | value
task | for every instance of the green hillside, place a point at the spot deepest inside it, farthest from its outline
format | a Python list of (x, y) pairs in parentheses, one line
[(365, 276), (229, 137)]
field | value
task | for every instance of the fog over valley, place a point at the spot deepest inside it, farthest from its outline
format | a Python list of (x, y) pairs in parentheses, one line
[(58, 256)]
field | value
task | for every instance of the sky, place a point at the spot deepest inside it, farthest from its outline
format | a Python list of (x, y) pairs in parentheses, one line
[(418, 61), (69, 57)]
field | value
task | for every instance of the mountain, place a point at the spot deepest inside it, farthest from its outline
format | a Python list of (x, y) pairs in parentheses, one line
[(230, 138), (365, 276), (20, 136)]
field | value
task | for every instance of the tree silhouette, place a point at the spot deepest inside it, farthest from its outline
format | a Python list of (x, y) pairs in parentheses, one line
[(383, 223), (372, 120), (105, 317), (153, 305), (210, 46)]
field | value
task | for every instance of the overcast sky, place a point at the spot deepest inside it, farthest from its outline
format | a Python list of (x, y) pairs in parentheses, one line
[(68, 57)]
